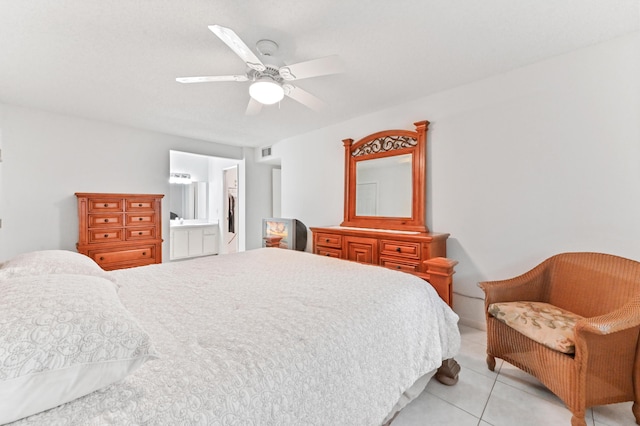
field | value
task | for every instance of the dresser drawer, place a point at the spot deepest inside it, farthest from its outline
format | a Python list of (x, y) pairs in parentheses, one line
[(97, 205), (105, 220), (361, 249), (139, 204), (105, 235), (140, 233), (124, 257), (328, 240), (329, 252), (135, 219), (400, 265), (405, 249)]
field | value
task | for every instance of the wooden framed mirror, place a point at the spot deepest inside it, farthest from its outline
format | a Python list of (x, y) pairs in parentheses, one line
[(385, 180)]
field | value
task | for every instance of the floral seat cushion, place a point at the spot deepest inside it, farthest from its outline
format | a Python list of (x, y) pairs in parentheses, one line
[(542, 322)]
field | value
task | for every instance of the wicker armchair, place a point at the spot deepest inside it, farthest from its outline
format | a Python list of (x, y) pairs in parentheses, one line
[(605, 368)]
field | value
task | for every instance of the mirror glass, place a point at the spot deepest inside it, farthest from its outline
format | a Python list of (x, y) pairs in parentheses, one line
[(384, 186), (189, 201)]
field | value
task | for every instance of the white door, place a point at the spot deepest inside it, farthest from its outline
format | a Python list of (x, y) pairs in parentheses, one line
[(231, 210)]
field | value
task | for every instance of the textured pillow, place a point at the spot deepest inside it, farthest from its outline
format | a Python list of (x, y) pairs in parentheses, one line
[(51, 262), (62, 337), (546, 324)]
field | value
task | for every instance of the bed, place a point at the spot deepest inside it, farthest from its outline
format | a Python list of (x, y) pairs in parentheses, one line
[(263, 337)]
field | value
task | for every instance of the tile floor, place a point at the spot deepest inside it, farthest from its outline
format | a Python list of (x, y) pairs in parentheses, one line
[(505, 397)]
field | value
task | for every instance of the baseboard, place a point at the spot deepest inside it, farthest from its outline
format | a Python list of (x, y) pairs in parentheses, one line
[(470, 310)]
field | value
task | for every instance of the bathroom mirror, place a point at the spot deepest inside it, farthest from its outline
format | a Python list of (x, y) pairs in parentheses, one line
[(385, 180), (189, 201)]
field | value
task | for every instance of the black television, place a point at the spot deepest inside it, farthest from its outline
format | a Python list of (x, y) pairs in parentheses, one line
[(292, 233)]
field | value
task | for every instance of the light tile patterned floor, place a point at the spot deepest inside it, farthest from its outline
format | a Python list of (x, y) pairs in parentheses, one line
[(506, 397)]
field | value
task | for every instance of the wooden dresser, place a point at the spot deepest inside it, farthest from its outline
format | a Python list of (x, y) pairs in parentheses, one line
[(120, 230), (385, 175), (402, 251)]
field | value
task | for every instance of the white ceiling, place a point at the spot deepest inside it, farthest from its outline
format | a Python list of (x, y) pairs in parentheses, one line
[(117, 60)]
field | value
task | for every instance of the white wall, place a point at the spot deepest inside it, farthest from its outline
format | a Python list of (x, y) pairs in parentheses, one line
[(195, 165), (276, 192), (261, 196), (541, 160), (48, 157)]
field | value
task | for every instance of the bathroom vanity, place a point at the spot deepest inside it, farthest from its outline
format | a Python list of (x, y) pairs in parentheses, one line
[(193, 238)]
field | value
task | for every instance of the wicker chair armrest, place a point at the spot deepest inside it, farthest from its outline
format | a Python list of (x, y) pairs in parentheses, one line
[(528, 286), (628, 316)]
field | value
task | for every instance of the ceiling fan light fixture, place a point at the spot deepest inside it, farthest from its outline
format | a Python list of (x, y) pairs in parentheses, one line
[(266, 91)]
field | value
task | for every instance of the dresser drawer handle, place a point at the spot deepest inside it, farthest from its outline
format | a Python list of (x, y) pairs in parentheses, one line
[(106, 220), (144, 253), (139, 205), (106, 205), (140, 233), (328, 254), (398, 249), (139, 218), (101, 258), (398, 267), (106, 235), (326, 241)]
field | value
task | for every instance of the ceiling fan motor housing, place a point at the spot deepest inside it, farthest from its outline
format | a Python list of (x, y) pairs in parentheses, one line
[(270, 72)]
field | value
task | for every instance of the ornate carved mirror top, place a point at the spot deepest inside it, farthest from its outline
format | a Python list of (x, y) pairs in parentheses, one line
[(385, 180)]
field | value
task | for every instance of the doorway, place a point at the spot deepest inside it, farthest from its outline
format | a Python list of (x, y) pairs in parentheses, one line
[(203, 203), (231, 208)]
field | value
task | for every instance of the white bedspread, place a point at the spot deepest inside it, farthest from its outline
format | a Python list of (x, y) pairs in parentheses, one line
[(271, 337)]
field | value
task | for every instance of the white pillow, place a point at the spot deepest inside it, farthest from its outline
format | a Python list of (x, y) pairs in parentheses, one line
[(62, 337), (51, 262)]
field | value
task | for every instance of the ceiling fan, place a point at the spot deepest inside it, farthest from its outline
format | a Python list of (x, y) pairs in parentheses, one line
[(270, 83)]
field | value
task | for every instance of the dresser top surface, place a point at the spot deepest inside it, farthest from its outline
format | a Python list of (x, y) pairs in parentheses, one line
[(114, 195), (379, 232)]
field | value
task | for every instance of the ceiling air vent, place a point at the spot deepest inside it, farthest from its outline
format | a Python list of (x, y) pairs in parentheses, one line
[(266, 152)]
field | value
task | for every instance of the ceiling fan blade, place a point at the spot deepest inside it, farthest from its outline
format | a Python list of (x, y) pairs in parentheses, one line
[(210, 78), (254, 107), (304, 97), (235, 43), (313, 68)]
